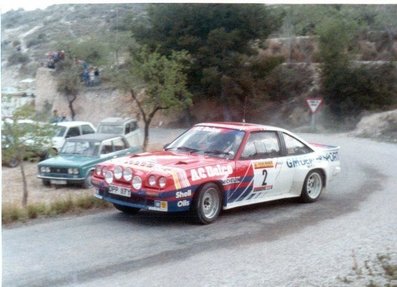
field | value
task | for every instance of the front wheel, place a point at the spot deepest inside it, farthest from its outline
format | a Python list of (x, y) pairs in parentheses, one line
[(87, 181), (312, 186), (126, 209), (207, 204)]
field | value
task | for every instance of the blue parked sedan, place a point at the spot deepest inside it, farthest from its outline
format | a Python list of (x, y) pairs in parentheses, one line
[(78, 156)]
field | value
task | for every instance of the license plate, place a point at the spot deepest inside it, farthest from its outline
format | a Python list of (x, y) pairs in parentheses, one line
[(119, 191), (56, 181)]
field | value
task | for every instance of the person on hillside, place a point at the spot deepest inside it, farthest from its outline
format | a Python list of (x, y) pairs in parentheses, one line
[(55, 117)]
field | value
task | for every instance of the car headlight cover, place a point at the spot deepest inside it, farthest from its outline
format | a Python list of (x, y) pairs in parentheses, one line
[(109, 176), (162, 182), (118, 172), (137, 182), (98, 170), (152, 180), (127, 174)]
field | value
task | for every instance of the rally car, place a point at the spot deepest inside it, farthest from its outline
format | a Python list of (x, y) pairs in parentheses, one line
[(215, 166)]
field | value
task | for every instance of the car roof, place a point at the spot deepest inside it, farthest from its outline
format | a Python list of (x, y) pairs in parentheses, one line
[(249, 127), (116, 120), (95, 137), (72, 123)]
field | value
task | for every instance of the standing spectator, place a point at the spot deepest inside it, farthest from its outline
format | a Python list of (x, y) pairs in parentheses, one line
[(55, 117), (86, 77), (97, 79), (92, 76)]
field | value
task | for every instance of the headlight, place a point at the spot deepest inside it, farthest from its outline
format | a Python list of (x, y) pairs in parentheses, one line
[(118, 172), (162, 182), (152, 180), (109, 177), (127, 174), (73, 170), (45, 169), (98, 170), (137, 182)]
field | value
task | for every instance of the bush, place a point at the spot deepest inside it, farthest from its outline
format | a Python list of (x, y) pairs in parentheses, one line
[(17, 58), (351, 90), (289, 81)]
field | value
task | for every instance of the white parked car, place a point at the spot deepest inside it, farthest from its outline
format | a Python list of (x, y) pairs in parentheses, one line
[(127, 127), (66, 130)]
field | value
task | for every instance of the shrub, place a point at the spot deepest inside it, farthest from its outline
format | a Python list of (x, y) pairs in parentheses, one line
[(17, 58), (351, 90)]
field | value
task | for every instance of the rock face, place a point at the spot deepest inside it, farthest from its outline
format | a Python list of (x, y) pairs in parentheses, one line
[(92, 104), (380, 125)]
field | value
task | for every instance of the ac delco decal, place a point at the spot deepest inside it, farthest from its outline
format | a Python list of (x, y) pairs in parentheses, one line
[(211, 171)]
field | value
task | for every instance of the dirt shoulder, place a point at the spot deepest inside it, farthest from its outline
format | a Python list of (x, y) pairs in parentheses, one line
[(11, 187)]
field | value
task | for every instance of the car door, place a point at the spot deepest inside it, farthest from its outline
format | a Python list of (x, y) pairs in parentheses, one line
[(262, 168), (298, 160)]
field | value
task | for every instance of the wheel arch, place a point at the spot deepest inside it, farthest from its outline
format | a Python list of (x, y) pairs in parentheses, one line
[(217, 183), (322, 173)]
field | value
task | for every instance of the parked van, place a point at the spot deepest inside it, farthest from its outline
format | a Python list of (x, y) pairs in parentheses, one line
[(66, 130), (127, 127)]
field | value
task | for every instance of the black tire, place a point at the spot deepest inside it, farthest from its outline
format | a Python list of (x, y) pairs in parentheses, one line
[(207, 204), (312, 186), (126, 209), (46, 182), (87, 181)]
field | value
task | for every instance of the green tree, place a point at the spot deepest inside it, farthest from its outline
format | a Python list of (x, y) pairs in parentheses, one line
[(348, 87), (69, 82), (24, 138), (162, 80), (219, 37)]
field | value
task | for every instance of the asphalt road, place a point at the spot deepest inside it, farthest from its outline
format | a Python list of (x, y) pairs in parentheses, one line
[(283, 243)]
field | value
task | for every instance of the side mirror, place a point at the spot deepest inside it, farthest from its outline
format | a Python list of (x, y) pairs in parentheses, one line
[(165, 146)]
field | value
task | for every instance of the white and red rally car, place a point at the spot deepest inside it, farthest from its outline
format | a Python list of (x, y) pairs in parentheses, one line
[(215, 166)]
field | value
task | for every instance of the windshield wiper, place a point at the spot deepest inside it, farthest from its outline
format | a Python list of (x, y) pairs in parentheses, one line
[(217, 152), (188, 149)]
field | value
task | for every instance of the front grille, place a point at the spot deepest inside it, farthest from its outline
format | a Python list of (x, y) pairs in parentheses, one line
[(58, 170)]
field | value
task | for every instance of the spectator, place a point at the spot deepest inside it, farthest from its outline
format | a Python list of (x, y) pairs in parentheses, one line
[(92, 76), (86, 77), (55, 117)]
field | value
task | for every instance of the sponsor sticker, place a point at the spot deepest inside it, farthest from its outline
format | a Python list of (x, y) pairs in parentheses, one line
[(211, 171), (263, 164)]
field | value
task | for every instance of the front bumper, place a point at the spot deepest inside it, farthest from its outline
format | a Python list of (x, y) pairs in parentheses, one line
[(60, 179), (142, 201)]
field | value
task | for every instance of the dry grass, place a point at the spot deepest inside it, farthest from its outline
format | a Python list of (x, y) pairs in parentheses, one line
[(43, 201)]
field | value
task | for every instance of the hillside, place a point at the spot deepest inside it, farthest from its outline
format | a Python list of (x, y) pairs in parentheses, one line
[(28, 37)]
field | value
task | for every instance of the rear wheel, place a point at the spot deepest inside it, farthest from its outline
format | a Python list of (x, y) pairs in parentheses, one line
[(126, 209), (207, 204), (312, 186)]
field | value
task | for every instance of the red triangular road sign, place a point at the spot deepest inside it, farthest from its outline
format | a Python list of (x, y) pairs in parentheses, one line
[(314, 103)]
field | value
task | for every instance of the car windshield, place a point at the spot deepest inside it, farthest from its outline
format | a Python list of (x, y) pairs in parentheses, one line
[(60, 131), (211, 141), (83, 148), (110, 129)]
